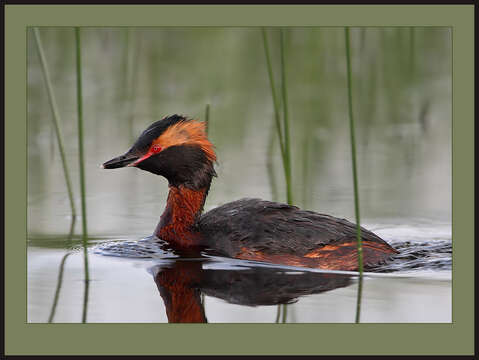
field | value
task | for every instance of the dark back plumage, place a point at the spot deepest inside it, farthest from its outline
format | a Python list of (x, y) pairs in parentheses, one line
[(275, 228)]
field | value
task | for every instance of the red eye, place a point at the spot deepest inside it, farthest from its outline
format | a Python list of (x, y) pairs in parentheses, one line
[(156, 148)]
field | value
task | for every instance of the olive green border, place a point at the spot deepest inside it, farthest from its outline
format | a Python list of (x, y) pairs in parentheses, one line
[(124, 339)]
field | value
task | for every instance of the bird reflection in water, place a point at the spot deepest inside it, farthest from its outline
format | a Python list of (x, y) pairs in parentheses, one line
[(182, 282)]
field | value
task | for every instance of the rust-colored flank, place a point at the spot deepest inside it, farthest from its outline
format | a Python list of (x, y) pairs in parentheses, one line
[(329, 257)]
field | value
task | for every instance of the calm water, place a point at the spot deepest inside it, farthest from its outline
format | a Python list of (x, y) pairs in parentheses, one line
[(131, 77)]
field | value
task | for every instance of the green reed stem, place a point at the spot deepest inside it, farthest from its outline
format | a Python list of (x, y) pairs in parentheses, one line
[(86, 292), (278, 314), (82, 169), (58, 288), (270, 164), (287, 147), (80, 129), (207, 118), (60, 274), (273, 93), (285, 312), (52, 144), (355, 175), (306, 189), (56, 117)]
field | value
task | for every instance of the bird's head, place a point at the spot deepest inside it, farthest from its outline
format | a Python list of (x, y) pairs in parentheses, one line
[(174, 147)]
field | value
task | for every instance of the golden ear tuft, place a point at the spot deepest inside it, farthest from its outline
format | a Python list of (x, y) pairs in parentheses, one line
[(189, 132)]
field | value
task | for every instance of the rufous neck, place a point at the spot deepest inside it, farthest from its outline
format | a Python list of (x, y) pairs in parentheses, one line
[(183, 209)]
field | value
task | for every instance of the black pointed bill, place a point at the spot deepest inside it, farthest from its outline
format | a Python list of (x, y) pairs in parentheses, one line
[(121, 161)]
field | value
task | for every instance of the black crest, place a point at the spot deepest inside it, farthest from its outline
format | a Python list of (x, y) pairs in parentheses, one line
[(154, 131)]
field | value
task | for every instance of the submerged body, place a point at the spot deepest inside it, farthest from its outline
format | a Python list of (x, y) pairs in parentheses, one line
[(253, 229)]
